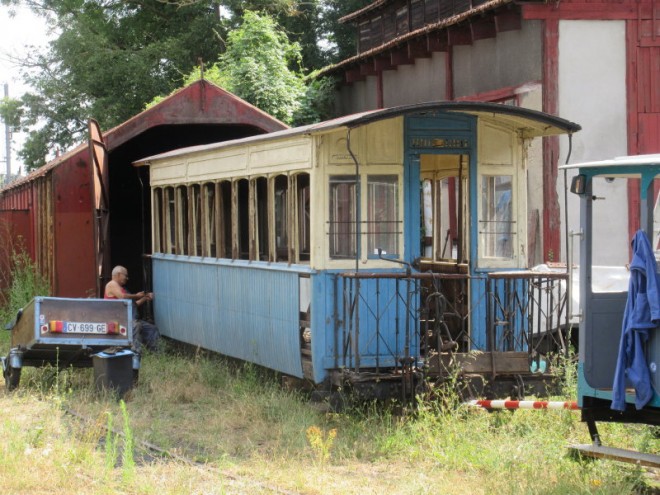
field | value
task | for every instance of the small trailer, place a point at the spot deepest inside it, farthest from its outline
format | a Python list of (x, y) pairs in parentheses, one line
[(65, 332)]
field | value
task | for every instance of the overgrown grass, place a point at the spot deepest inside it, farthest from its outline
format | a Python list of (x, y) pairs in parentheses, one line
[(239, 422)]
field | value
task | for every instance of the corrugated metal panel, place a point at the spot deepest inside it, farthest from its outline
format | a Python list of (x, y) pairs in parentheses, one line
[(239, 311)]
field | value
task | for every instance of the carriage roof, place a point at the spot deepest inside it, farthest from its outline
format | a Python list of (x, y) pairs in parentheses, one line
[(529, 123), (618, 162)]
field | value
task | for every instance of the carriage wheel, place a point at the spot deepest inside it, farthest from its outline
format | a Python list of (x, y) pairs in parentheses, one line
[(12, 375)]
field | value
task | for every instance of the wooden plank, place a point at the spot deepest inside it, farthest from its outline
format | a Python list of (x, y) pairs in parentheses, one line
[(483, 28), (459, 35), (580, 11), (418, 48), (551, 213), (621, 455), (508, 20), (400, 57), (482, 362)]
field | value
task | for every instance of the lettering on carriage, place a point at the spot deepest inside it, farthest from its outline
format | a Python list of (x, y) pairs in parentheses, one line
[(422, 142)]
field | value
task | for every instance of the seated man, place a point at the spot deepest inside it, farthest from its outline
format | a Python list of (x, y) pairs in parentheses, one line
[(143, 332)]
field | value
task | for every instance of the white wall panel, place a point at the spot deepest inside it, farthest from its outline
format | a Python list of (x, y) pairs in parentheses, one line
[(592, 92)]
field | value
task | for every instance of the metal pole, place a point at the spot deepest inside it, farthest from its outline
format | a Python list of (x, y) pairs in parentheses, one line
[(7, 141)]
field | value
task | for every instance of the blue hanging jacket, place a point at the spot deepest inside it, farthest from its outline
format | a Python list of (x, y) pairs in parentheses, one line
[(642, 314)]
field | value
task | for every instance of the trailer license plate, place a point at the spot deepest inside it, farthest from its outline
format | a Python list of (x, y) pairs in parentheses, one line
[(85, 327)]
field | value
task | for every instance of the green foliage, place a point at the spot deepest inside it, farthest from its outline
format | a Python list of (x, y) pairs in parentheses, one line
[(127, 459), (340, 37), (261, 66), (107, 62), (26, 283), (110, 58), (11, 112), (317, 103), (110, 445)]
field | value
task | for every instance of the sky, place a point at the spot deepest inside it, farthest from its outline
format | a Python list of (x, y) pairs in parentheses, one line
[(16, 33)]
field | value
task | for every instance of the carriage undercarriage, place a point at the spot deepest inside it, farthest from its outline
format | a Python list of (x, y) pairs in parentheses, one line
[(521, 318)]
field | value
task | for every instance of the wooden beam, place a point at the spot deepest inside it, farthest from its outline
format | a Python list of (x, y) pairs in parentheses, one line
[(400, 57), (483, 28), (353, 75), (580, 11), (383, 63), (459, 35), (551, 212), (437, 41), (418, 48), (368, 69), (508, 20)]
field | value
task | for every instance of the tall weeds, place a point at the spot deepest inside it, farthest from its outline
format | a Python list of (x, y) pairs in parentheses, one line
[(26, 282)]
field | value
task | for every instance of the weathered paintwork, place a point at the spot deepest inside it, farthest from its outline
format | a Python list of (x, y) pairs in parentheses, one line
[(253, 310)]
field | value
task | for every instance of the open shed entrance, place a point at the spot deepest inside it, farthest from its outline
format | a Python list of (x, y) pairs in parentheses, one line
[(129, 242)]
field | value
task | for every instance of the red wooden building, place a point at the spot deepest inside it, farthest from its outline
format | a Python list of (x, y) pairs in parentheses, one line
[(89, 209), (592, 62)]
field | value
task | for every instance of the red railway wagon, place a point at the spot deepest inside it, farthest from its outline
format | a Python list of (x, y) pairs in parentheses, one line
[(89, 209)]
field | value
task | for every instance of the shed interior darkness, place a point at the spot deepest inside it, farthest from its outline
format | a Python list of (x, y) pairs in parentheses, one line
[(130, 205)]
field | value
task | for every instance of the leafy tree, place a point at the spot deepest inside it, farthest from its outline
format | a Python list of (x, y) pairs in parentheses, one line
[(109, 59), (341, 38), (261, 66)]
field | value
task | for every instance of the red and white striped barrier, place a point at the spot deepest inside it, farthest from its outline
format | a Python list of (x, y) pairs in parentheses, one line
[(524, 404)]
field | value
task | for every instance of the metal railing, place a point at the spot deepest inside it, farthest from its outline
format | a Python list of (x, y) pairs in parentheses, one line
[(392, 320)]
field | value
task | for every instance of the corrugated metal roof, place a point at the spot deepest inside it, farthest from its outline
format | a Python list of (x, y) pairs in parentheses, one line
[(450, 21), (530, 123)]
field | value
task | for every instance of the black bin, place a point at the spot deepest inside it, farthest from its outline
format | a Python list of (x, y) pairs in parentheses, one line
[(113, 370)]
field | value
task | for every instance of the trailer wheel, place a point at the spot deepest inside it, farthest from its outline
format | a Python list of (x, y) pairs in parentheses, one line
[(12, 375)]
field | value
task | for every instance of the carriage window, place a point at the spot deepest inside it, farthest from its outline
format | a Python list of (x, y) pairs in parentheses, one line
[(281, 185), (243, 218), (342, 225), (170, 220), (225, 228), (261, 210), (303, 216), (383, 227), (196, 220), (158, 225), (496, 225), (182, 226), (209, 221)]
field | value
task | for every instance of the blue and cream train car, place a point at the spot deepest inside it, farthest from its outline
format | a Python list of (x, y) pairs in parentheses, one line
[(349, 249)]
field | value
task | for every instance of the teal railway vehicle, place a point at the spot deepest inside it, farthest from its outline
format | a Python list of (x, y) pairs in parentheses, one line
[(361, 252), (619, 343)]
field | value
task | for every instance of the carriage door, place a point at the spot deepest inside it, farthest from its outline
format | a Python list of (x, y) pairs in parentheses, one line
[(446, 246), (99, 163), (444, 209)]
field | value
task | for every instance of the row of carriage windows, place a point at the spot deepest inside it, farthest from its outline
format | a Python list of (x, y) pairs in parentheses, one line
[(268, 219), (263, 219)]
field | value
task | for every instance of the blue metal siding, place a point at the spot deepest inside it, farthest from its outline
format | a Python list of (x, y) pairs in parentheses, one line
[(385, 327), (231, 308)]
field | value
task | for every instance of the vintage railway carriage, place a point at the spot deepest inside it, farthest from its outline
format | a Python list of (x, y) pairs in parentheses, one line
[(318, 251)]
